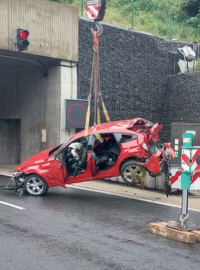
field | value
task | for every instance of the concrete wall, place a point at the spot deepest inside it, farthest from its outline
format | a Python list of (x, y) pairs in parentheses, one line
[(53, 27), (10, 141), (36, 101), (68, 91), (134, 69)]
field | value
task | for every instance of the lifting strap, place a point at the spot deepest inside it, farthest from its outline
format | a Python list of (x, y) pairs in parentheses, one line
[(105, 112), (97, 31), (87, 122), (98, 136), (98, 116)]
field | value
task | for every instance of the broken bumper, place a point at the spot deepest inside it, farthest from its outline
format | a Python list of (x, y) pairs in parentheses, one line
[(154, 166)]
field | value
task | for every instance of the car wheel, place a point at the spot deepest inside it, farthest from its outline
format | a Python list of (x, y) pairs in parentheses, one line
[(133, 173), (35, 185)]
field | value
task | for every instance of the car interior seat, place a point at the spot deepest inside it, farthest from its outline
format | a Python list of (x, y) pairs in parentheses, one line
[(106, 158)]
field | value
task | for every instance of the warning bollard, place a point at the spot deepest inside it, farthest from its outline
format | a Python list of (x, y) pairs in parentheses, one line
[(183, 229), (190, 159)]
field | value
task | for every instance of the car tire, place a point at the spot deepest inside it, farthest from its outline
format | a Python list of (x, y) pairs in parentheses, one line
[(35, 185), (128, 177)]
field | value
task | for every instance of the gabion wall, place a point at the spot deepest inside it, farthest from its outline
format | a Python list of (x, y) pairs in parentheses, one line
[(134, 72), (182, 100)]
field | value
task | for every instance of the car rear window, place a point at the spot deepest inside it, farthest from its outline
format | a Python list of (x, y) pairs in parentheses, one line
[(123, 138)]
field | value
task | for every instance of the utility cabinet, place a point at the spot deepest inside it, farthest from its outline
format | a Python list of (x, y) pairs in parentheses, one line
[(177, 141), (177, 130)]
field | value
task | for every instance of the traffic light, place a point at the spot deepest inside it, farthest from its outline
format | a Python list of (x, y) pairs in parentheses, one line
[(22, 42)]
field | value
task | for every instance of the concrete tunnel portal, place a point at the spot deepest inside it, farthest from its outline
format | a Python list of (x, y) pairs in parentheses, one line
[(20, 76), (34, 84)]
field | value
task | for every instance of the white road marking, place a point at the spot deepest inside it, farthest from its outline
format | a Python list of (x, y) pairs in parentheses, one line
[(12, 205), (129, 197)]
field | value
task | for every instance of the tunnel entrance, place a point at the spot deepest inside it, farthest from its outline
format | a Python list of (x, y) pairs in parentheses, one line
[(33, 90), (35, 83), (29, 90), (10, 141)]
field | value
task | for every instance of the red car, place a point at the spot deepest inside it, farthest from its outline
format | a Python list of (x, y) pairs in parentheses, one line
[(127, 146)]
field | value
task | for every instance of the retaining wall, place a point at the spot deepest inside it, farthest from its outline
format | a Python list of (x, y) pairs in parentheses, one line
[(134, 72)]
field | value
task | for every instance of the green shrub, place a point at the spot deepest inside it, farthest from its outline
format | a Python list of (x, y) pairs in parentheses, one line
[(151, 16), (197, 67)]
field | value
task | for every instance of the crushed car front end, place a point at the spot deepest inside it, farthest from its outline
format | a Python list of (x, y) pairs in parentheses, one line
[(18, 183), (151, 152)]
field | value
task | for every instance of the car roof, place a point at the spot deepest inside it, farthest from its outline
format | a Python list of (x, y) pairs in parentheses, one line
[(110, 127)]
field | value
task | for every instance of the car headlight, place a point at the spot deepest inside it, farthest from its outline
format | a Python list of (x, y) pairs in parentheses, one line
[(144, 146), (18, 175)]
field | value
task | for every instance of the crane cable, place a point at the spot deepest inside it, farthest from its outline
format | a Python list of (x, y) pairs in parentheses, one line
[(95, 84)]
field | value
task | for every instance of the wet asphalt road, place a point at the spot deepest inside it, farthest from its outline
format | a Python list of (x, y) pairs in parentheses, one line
[(76, 229)]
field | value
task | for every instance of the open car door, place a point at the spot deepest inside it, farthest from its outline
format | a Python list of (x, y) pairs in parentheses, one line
[(93, 163), (58, 170)]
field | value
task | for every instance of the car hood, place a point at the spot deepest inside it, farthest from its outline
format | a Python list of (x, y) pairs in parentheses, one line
[(36, 159), (151, 129)]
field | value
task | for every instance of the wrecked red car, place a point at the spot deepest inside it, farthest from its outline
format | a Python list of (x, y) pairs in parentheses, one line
[(127, 146)]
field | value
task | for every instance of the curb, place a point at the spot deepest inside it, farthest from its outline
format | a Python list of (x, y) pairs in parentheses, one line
[(6, 174)]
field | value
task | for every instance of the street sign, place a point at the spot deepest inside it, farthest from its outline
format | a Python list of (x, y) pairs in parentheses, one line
[(76, 110)]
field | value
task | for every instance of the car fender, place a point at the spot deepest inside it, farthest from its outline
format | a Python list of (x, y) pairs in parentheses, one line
[(151, 165), (41, 170), (134, 158)]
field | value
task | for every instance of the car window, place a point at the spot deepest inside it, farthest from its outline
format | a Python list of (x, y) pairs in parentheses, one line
[(62, 155), (55, 149), (142, 131), (123, 138), (83, 140), (109, 146)]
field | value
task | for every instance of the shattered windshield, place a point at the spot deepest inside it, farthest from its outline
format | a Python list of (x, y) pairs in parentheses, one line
[(55, 149)]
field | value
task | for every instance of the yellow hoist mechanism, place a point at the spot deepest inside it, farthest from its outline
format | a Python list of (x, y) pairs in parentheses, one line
[(95, 11)]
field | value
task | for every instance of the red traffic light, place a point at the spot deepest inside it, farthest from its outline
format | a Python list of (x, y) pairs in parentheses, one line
[(22, 39), (24, 34)]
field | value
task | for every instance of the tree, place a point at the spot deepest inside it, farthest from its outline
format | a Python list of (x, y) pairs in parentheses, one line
[(191, 7)]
